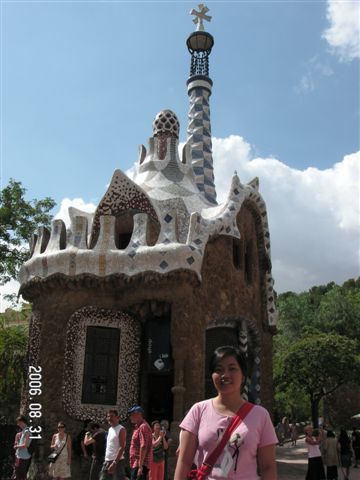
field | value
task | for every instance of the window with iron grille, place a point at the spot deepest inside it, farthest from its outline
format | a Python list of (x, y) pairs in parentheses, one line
[(101, 365)]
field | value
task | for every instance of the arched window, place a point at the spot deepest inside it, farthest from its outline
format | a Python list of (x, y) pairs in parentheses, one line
[(248, 262), (237, 254), (101, 365)]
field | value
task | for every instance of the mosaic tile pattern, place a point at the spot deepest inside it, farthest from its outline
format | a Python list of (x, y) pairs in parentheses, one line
[(199, 138), (123, 194), (166, 190), (186, 223), (128, 368)]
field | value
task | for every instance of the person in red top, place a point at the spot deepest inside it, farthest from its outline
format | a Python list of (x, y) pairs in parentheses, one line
[(141, 445)]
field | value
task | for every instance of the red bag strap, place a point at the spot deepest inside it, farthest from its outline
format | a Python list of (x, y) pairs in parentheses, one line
[(235, 422)]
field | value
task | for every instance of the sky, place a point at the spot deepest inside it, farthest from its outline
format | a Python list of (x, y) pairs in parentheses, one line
[(81, 82)]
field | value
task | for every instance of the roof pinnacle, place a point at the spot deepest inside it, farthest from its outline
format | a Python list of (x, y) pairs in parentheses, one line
[(200, 16)]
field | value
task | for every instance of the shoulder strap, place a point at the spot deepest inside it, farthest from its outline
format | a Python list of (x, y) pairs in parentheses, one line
[(235, 422), (62, 448)]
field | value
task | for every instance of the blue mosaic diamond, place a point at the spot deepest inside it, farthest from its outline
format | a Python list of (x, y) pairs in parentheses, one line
[(163, 265), (190, 260), (168, 218), (132, 254), (198, 241), (236, 191)]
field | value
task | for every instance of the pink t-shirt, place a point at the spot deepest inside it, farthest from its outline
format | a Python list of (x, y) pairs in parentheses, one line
[(238, 459)]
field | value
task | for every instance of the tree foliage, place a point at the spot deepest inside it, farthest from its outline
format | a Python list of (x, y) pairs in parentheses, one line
[(13, 347), (319, 323), (319, 364), (19, 218)]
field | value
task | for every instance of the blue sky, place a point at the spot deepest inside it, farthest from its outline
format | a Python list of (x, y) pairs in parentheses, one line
[(82, 81)]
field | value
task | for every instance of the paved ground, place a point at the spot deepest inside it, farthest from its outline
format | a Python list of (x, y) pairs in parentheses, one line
[(292, 463)]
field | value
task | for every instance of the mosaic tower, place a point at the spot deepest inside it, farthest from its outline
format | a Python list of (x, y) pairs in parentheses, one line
[(199, 86), (129, 302)]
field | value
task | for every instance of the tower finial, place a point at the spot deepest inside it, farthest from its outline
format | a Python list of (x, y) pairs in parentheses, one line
[(200, 16)]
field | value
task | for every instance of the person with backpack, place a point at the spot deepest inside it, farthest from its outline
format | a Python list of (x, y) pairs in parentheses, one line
[(96, 437), (21, 445)]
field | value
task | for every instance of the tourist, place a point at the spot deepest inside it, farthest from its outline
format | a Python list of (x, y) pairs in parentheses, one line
[(141, 445), (96, 437), (315, 469), (21, 444), (114, 463), (294, 434), (345, 452), (331, 455), (165, 426), (252, 442), (160, 445), (355, 443), (82, 454), (61, 444)]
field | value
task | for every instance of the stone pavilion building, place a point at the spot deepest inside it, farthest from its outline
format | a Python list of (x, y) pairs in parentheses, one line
[(129, 302)]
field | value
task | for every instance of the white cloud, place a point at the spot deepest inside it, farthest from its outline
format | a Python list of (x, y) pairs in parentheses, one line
[(79, 203), (313, 214), (7, 289), (343, 35), (316, 70)]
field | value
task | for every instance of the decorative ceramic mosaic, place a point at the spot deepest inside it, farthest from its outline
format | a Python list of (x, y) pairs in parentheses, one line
[(123, 194), (199, 138), (166, 191), (128, 368)]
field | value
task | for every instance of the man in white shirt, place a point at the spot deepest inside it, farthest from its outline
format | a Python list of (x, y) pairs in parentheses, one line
[(114, 464)]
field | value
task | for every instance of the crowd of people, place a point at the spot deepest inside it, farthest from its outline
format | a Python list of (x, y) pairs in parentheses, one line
[(105, 448), (331, 452), (222, 437)]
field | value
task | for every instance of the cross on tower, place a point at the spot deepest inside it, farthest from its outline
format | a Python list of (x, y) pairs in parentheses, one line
[(200, 16)]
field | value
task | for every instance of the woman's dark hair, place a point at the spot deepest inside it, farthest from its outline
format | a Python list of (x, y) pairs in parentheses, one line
[(330, 434), (93, 425), (22, 418), (228, 351)]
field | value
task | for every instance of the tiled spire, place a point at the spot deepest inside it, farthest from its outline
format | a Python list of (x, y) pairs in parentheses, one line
[(199, 85)]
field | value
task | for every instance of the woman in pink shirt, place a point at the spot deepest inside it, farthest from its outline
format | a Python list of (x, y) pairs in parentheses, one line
[(253, 442)]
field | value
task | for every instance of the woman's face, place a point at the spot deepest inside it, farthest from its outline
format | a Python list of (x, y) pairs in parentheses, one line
[(156, 428), (61, 428), (228, 376)]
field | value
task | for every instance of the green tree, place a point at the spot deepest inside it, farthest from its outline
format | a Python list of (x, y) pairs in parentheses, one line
[(339, 312), (318, 365), (19, 218), (13, 347)]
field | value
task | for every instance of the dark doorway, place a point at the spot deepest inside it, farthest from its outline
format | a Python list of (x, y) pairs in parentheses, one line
[(160, 397), (157, 372)]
